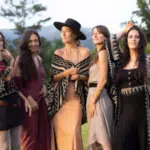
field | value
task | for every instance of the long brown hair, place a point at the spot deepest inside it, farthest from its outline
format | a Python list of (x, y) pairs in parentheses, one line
[(104, 30)]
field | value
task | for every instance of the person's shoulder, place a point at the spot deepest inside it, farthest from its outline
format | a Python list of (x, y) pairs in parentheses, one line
[(84, 50), (59, 52), (40, 59)]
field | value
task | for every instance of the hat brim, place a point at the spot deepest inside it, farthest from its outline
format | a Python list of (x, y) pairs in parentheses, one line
[(80, 35)]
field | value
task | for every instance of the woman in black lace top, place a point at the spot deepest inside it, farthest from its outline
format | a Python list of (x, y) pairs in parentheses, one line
[(131, 122)]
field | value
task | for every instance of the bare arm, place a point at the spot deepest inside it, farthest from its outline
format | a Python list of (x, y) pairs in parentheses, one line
[(103, 67), (120, 34)]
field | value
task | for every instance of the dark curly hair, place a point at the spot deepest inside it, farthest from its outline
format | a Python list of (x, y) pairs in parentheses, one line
[(26, 62)]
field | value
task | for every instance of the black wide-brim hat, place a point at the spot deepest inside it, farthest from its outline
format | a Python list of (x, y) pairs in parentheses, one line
[(74, 25)]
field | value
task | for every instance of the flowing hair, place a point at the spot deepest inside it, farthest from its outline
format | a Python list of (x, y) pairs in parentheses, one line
[(26, 62), (141, 56)]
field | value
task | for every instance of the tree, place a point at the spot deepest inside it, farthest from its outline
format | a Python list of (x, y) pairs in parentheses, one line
[(22, 13), (143, 13), (47, 51)]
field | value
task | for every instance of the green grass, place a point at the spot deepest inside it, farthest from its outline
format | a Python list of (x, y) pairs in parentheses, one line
[(84, 135)]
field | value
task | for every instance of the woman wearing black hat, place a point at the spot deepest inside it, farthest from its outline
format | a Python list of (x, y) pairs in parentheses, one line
[(68, 87)]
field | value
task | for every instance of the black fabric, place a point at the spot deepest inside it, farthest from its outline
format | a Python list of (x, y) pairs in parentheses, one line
[(10, 116), (92, 85), (74, 25), (146, 97), (130, 131)]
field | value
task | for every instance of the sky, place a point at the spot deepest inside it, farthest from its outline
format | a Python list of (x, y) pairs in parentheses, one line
[(88, 12)]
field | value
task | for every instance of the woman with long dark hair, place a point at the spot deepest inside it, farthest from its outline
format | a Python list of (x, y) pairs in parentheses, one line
[(29, 76), (131, 125), (10, 112)]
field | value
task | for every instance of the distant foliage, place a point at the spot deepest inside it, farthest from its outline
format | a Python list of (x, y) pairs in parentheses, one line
[(143, 13), (22, 13)]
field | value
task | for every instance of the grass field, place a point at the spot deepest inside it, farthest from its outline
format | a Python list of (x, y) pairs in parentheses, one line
[(84, 135)]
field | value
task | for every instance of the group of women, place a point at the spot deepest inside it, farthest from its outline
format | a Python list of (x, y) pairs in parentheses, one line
[(110, 91)]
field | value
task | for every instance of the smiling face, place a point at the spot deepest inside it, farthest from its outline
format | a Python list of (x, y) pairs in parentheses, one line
[(97, 37), (67, 35), (133, 39), (34, 44)]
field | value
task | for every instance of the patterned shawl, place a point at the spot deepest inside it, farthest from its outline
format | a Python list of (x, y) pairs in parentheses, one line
[(6, 88), (113, 66), (57, 90)]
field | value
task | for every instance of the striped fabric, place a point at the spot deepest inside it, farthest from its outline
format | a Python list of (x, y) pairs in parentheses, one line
[(6, 88), (116, 53), (57, 91)]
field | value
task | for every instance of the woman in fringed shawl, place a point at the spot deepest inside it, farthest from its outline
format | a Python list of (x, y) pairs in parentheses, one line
[(132, 122), (67, 91)]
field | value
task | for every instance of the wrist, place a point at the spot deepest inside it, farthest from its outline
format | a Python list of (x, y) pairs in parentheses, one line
[(67, 73), (92, 101)]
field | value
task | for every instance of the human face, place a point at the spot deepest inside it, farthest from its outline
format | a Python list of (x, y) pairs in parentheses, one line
[(34, 43), (66, 35), (133, 39), (1, 42), (97, 37)]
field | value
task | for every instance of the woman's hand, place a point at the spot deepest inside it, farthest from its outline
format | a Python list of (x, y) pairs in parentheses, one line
[(128, 26), (6, 54), (43, 90), (72, 71), (91, 110), (75, 77), (33, 103), (28, 107)]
